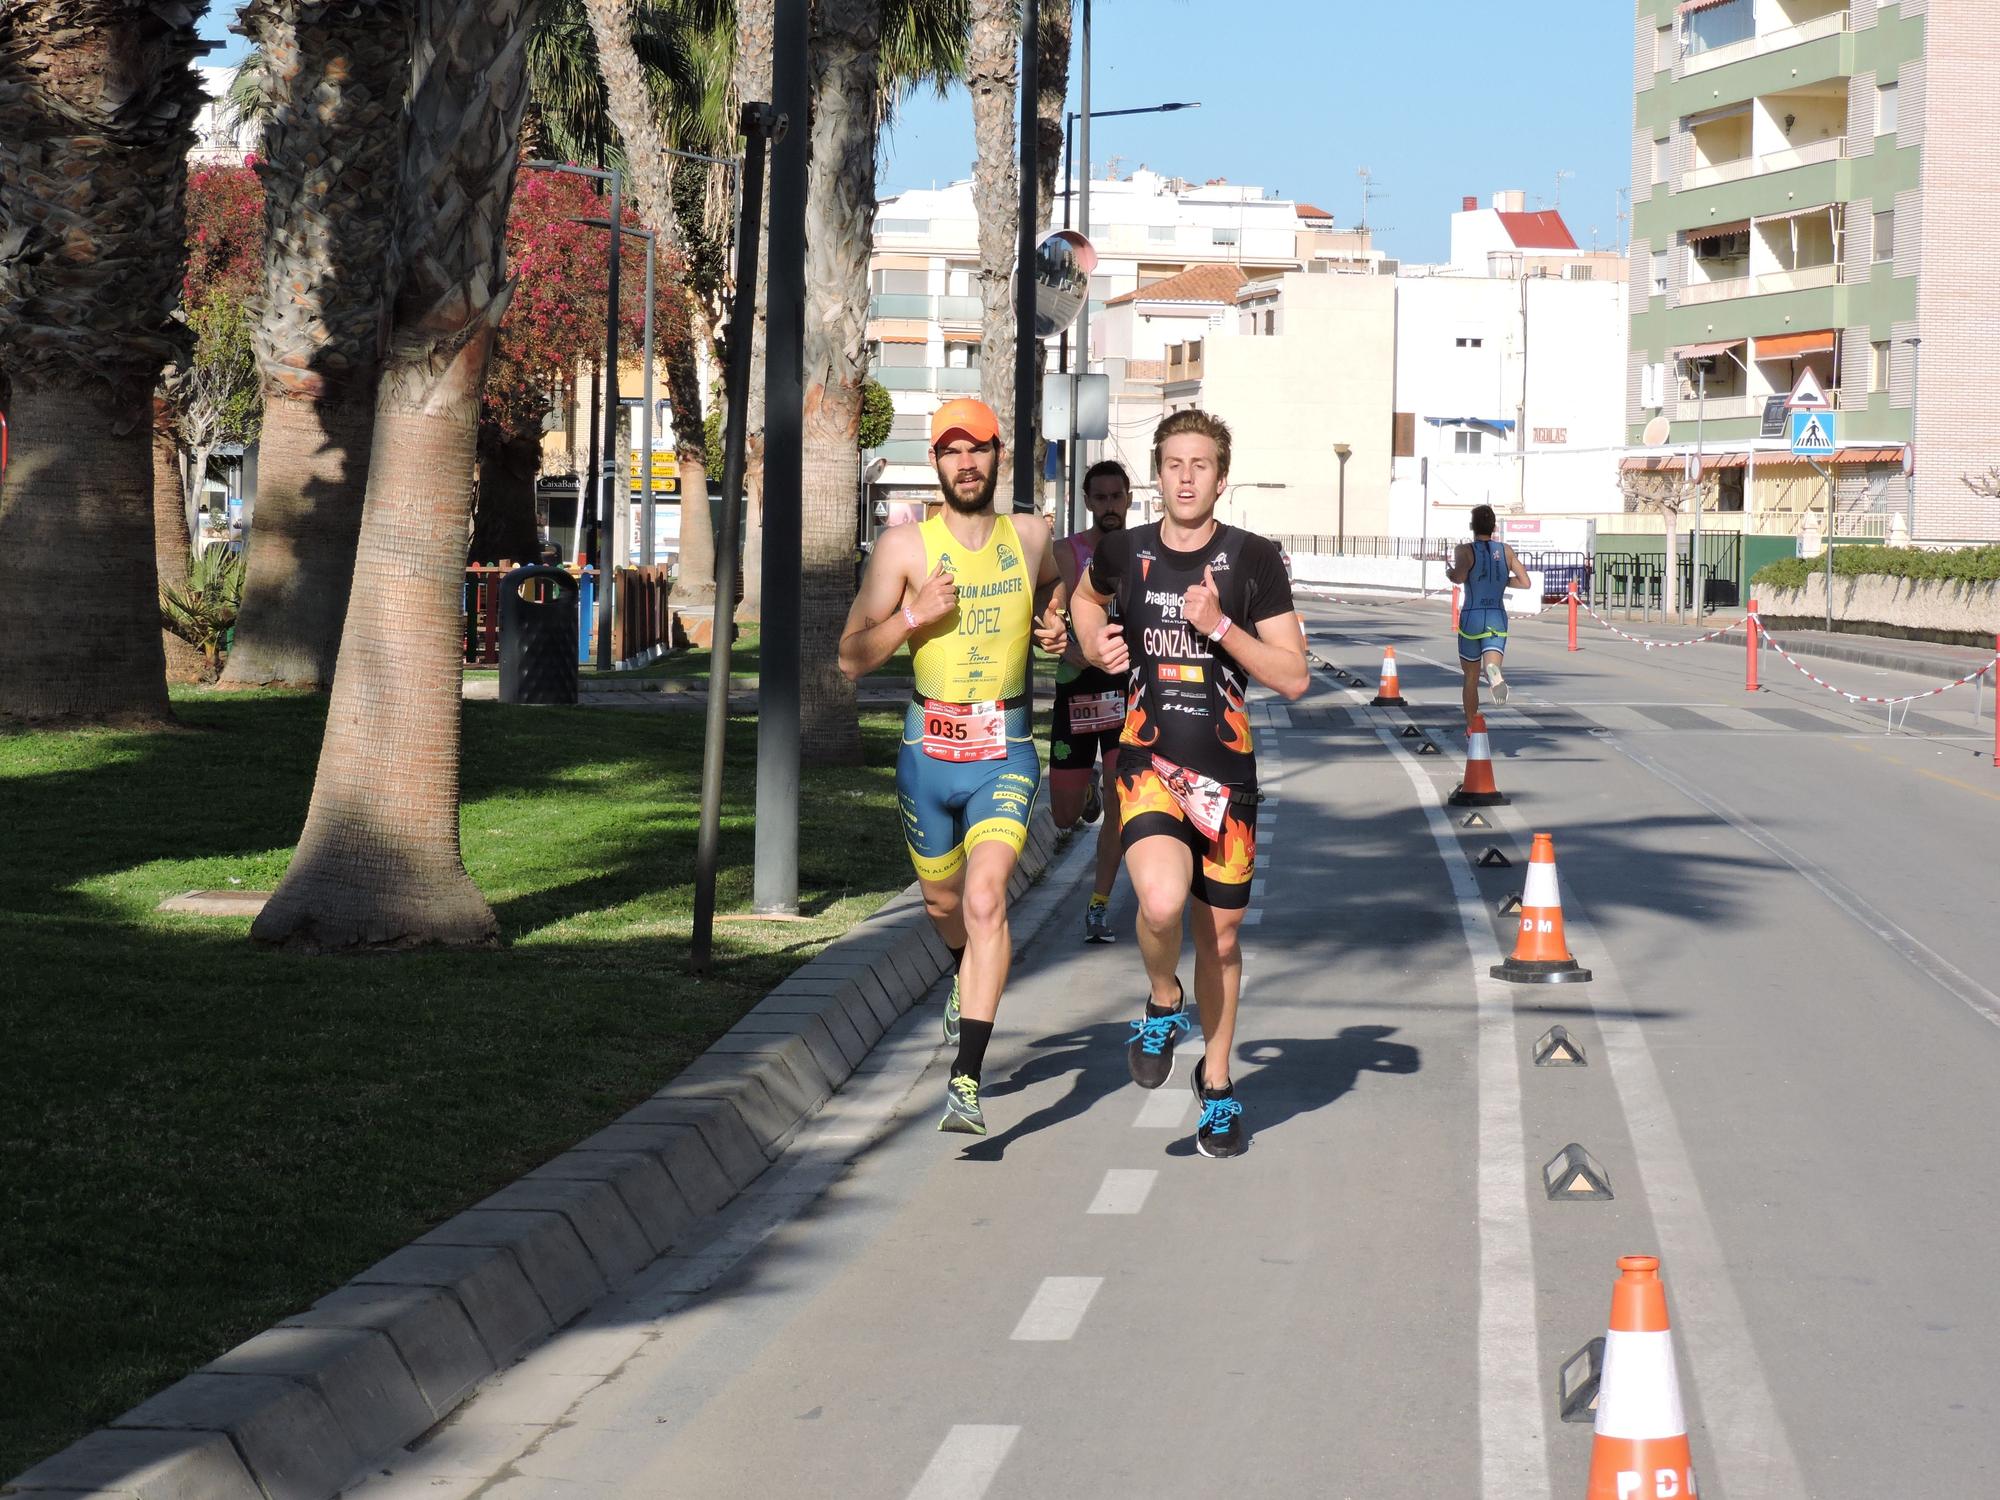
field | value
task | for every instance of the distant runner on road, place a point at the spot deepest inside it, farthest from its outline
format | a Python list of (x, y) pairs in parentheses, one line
[(1090, 704), (1487, 569), (964, 590), (1203, 609)]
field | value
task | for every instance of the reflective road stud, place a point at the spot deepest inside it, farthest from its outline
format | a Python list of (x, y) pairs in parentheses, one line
[(1390, 694), (1541, 953), (1640, 1450)]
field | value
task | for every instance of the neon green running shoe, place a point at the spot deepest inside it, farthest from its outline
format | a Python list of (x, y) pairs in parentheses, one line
[(961, 1106), (951, 1015)]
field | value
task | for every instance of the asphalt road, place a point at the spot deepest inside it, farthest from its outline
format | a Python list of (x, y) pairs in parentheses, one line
[(1793, 1061)]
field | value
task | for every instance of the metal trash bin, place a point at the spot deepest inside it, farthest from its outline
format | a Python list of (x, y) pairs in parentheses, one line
[(538, 634)]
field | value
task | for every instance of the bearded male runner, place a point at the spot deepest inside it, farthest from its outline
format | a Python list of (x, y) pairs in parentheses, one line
[(964, 590), (1204, 609), (1090, 704)]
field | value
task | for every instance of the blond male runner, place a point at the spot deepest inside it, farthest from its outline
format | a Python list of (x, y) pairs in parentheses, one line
[(1204, 609), (964, 589)]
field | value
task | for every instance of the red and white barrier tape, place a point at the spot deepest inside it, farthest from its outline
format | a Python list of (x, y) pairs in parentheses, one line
[(1979, 671), (1662, 645)]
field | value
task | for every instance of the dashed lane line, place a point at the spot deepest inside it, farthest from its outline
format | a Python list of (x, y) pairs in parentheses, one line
[(1057, 1310), (1123, 1191), (965, 1462)]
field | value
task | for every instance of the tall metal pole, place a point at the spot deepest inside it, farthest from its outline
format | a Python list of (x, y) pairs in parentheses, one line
[(742, 322), (776, 886), (607, 485), (646, 419), (594, 471), (1024, 266), (1701, 485), (1075, 494), (1066, 521), (1910, 452)]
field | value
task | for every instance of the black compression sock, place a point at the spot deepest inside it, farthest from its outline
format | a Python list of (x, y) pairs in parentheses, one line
[(972, 1039)]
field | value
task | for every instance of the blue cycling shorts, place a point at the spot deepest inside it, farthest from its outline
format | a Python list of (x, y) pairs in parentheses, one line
[(1481, 630), (949, 806)]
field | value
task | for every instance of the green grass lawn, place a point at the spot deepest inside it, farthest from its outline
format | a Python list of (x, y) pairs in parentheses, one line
[(199, 1136)]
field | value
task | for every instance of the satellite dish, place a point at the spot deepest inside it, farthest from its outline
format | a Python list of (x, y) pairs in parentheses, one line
[(1063, 263), (1656, 432)]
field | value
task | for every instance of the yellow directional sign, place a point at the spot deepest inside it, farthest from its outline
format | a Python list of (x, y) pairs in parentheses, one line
[(666, 472)]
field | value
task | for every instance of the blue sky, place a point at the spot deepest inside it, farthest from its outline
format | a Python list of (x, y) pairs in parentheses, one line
[(1437, 98)]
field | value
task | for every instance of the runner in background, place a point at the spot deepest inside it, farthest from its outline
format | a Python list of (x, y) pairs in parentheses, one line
[(968, 591), (1203, 609), (1090, 705), (1487, 569)]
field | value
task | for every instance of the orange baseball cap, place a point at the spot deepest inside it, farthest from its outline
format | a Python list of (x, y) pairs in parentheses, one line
[(964, 417)]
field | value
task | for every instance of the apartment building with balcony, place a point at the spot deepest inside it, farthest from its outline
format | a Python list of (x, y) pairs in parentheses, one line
[(1813, 189), (924, 312)]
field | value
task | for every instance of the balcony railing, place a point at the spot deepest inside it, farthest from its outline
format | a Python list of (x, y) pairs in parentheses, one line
[(1761, 45), (902, 305), (1716, 173), (958, 378), (1697, 292), (902, 451), (1718, 408), (1805, 279), (960, 310), (905, 377)]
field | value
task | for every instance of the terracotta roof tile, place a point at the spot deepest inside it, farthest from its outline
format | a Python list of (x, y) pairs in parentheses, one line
[(1195, 284), (1538, 231), (1307, 211)]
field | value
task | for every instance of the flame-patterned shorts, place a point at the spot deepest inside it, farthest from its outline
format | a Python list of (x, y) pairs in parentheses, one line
[(1223, 865)]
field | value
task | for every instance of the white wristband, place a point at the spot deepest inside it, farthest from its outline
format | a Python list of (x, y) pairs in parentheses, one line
[(1221, 629), (909, 619)]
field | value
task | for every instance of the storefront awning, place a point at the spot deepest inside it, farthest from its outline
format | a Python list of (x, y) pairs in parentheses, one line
[(1706, 351), (1674, 463), (1792, 345), (1717, 231), (962, 335), (1797, 213), (886, 337), (1689, 7), (1492, 424)]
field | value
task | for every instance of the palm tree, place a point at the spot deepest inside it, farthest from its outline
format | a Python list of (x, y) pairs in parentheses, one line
[(328, 79), (379, 862), (170, 536), (97, 106), (992, 77), (754, 28)]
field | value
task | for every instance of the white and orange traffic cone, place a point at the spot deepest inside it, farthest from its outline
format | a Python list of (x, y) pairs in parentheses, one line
[(1541, 953), (1390, 694), (1478, 789), (1640, 1450)]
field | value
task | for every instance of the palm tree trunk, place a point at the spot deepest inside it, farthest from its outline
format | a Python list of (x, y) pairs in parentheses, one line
[(97, 104), (754, 42), (379, 862), (1053, 75), (695, 581), (312, 472), (170, 538), (503, 520), (840, 210), (992, 75)]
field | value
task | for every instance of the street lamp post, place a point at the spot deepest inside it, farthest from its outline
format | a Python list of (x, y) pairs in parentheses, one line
[(1910, 450), (1343, 452), (1073, 480), (646, 412)]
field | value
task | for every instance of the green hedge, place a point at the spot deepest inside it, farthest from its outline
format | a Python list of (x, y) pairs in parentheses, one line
[(1970, 564)]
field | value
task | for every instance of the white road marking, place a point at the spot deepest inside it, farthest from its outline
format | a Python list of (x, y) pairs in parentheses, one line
[(1256, 889), (1057, 1309), (1513, 1454), (1615, 716), (1739, 719), (1165, 1109), (1280, 716), (965, 1463), (1123, 1191)]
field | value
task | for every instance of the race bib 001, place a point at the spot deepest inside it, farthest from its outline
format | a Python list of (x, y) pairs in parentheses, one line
[(1202, 799), (1096, 713), (964, 731)]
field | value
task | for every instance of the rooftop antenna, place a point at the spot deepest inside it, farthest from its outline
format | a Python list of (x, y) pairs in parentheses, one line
[(1561, 173), (1369, 193), (1623, 216)]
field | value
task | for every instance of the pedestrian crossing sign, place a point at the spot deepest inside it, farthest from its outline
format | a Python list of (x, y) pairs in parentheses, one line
[(1812, 434)]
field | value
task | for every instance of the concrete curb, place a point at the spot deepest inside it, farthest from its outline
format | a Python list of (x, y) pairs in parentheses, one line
[(305, 1409)]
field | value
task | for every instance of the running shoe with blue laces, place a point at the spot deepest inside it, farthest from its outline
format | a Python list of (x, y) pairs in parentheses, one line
[(961, 1106), (1220, 1132), (951, 1015), (1150, 1053)]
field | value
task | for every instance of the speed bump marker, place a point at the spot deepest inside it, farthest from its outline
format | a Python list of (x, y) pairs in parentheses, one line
[(1411, 732), (1474, 820), (1511, 906), (1557, 1049), (1578, 1381), (1493, 859), (1574, 1176), (1427, 748)]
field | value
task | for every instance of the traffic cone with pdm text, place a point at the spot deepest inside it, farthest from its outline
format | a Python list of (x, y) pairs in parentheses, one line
[(1478, 789), (1390, 694), (1640, 1449), (1541, 953)]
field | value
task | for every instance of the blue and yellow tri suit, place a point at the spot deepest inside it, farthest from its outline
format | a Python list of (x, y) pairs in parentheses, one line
[(968, 771), (1482, 618)]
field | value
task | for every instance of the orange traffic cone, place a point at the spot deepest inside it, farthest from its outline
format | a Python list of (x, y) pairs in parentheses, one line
[(1541, 954), (1478, 789), (1390, 695), (1640, 1451)]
